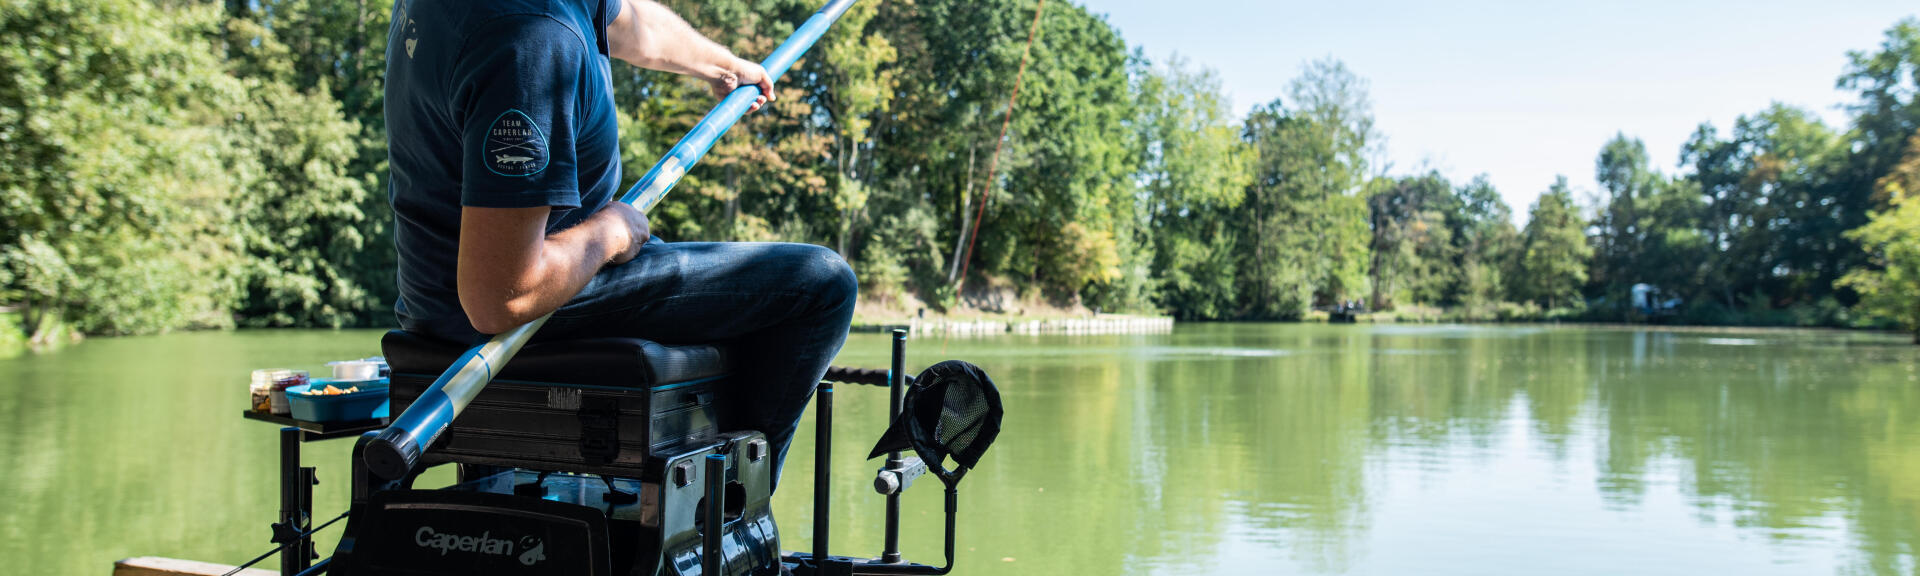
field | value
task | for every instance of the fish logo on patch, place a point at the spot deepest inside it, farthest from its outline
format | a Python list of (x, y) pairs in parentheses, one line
[(515, 145)]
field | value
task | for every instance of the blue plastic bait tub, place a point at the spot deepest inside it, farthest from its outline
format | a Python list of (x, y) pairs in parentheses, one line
[(370, 402)]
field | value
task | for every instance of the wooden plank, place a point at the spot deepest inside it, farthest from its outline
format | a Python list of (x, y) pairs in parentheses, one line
[(157, 566)]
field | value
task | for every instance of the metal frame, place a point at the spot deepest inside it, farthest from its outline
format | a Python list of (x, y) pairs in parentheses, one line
[(293, 532), (821, 562)]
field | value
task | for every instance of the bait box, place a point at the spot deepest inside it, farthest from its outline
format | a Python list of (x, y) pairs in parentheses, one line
[(369, 403)]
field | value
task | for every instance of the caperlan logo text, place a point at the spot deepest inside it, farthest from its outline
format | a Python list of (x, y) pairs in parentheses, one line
[(485, 543)]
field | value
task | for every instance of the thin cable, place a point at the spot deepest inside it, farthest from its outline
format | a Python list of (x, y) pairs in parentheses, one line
[(283, 546), (993, 163)]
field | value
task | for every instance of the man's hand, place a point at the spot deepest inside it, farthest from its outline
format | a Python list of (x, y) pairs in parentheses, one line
[(650, 36), (744, 73), (634, 222)]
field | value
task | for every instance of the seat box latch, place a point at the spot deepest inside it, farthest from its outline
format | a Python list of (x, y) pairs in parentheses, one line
[(599, 429)]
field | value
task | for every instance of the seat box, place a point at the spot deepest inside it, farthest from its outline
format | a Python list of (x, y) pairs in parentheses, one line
[(600, 406)]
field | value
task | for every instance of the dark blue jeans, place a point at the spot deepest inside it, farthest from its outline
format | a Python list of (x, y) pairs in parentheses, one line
[(781, 310)]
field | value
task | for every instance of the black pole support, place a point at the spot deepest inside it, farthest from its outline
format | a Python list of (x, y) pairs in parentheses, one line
[(822, 467), (953, 510), (713, 556), (295, 494), (897, 384)]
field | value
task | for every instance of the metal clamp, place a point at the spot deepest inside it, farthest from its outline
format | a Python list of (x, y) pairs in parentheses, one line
[(898, 475)]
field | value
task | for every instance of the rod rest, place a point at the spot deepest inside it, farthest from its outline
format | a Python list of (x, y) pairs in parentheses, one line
[(867, 376)]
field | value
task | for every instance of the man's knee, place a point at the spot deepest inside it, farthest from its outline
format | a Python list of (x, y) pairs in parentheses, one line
[(829, 276)]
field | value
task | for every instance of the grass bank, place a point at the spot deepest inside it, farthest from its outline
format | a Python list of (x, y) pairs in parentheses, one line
[(1000, 314)]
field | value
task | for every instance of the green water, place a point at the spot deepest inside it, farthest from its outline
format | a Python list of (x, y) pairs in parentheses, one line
[(1218, 449)]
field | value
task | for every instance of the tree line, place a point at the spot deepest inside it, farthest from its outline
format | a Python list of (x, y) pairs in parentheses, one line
[(183, 164)]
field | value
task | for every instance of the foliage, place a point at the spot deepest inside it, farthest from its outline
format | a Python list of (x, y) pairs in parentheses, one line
[(1484, 239), (112, 193), (1193, 174), (1305, 217), (1414, 258), (861, 86), (313, 229), (1773, 207), (1552, 263), (1648, 229), (190, 164), (1891, 288)]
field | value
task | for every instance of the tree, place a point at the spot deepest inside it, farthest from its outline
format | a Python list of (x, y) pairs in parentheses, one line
[(315, 232), (112, 193), (1194, 171), (1887, 113), (1062, 217), (860, 85), (1067, 213), (1649, 229), (307, 216), (1415, 259), (1484, 237), (1305, 232), (1879, 173), (1554, 251), (769, 178), (1773, 209), (1627, 182), (1891, 288)]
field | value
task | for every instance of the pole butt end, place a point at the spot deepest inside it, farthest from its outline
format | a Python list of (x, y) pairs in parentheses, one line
[(391, 454)]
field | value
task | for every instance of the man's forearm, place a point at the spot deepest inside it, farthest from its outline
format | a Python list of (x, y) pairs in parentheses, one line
[(651, 36), (509, 275)]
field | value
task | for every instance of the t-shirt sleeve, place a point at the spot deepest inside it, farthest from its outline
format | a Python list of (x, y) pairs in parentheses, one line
[(517, 94)]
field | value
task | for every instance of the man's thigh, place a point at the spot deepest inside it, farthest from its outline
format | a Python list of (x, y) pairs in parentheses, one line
[(695, 292)]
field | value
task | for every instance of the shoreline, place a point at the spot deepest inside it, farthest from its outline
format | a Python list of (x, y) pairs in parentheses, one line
[(1099, 324), (991, 325)]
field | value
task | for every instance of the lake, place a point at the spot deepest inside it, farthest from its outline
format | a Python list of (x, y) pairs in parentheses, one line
[(1216, 449)]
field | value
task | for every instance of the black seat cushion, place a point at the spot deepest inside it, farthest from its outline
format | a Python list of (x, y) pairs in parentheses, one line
[(626, 362)]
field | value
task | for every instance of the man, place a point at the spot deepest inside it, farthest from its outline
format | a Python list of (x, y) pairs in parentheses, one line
[(504, 151)]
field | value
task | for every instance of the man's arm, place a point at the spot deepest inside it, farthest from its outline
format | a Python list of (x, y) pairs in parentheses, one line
[(651, 36), (511, 271)]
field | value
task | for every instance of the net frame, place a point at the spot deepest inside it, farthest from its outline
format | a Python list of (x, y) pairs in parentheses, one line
[(952, 410)]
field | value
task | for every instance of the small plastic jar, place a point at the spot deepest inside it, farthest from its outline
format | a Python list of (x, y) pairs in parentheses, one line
[(282, 380)]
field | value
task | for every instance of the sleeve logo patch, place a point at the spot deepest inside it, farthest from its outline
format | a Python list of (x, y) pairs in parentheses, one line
[(515, 145)]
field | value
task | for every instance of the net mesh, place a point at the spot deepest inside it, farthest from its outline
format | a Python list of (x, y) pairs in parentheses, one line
[(963, 411)]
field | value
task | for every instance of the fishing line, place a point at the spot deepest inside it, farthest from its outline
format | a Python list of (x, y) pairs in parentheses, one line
[(993, 162)]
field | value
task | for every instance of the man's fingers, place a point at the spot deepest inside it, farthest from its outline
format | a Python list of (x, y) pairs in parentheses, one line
[(746, 73)]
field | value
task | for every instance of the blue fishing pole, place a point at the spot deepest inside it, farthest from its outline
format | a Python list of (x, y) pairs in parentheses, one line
[(396, 450)]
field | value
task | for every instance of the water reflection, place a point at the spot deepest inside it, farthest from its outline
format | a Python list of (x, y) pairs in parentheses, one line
[(1452, 450)]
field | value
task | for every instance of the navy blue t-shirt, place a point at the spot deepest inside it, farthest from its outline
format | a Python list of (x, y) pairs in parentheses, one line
[(497, 104)]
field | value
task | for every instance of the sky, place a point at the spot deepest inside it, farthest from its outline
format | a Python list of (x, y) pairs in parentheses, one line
[(1526, 90)]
